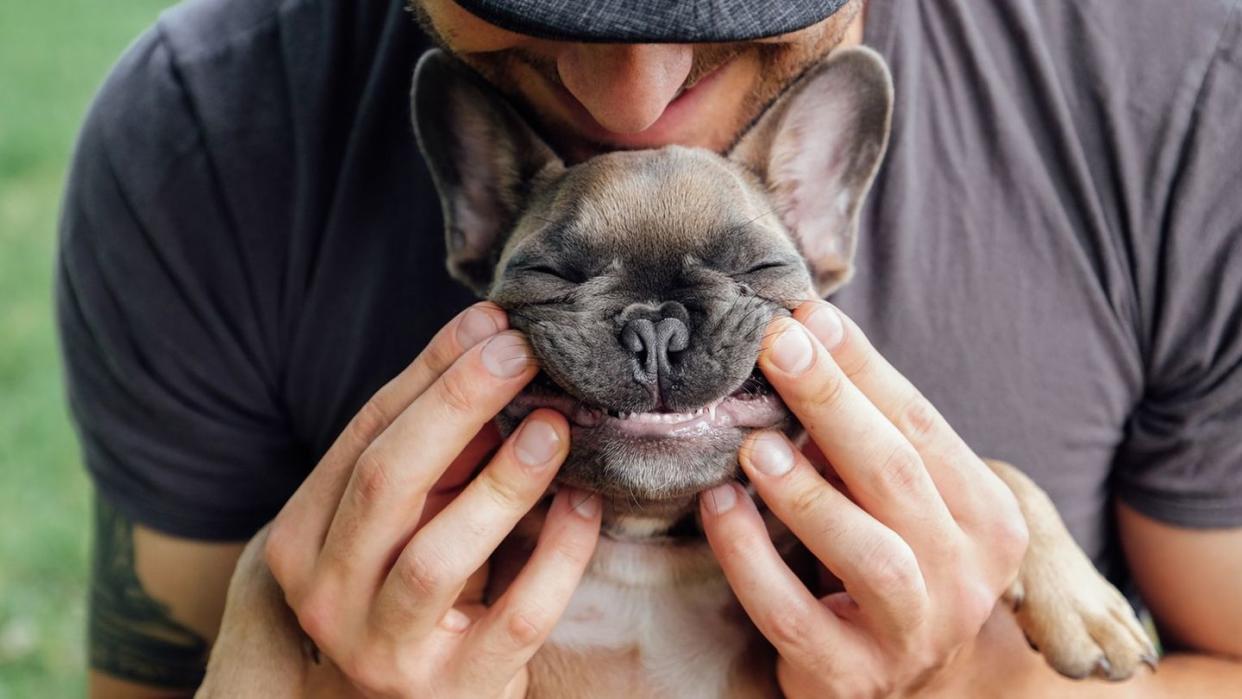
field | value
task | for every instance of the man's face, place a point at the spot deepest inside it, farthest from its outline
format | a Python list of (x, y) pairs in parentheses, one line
[(591, 98)]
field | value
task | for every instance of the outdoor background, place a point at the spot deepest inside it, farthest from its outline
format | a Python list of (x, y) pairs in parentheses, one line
[(53, 55)]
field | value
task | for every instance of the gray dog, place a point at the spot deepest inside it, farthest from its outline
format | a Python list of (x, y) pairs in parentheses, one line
[(644, 281)]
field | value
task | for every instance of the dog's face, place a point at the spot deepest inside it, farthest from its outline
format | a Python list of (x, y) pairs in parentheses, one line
[(645, 279)]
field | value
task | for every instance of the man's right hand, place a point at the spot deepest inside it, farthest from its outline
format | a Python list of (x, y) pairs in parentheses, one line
[(375, 548)]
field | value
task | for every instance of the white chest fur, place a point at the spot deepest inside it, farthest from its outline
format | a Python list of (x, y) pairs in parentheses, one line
[(668, 608)]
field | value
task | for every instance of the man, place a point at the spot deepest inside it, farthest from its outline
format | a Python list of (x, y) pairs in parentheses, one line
[(251, 249)]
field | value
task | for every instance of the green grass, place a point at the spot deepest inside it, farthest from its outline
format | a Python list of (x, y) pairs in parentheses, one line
[(53, 55)]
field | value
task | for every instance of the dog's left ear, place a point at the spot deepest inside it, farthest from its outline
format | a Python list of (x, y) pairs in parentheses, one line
[(484, 159), (817, 151)]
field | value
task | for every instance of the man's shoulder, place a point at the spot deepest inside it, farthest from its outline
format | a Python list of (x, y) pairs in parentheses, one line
[(207, 27), (1140, 43)]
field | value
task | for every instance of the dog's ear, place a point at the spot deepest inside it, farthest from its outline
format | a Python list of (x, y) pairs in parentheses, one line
[(817, 151), (483, 157)]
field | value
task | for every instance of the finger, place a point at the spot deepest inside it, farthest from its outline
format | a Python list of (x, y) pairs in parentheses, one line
[(431, 569), (458, 475), (876, 565), (300, 527), (878, 464), (384, 498), (784, 610), (519, 622), (966, 485)]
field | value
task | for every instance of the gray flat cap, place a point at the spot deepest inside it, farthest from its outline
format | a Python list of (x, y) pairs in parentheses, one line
[(652, 21)]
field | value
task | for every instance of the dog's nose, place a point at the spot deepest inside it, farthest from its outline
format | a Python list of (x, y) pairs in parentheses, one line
[(653, 342)]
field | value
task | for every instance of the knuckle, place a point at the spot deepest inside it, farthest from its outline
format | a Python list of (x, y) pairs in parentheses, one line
[(858, 362), (975, 604), (807, 501), (892, 565), (424, 573), (1011, 538), (372, 480), (317, 616), (791, 629), (571, 551), (902, 469), (439, 356), (454, 392), (828, 390), (508, 494), (278, 552), (368, 423), (918, 419), (527, 627)]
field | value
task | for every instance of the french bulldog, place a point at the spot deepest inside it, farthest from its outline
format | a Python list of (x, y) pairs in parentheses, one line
[(644, 281)]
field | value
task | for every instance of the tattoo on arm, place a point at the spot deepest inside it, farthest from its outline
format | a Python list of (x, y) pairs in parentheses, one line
[(132, 635)]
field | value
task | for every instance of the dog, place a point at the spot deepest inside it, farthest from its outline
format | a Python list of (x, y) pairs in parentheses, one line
[(644, 281)]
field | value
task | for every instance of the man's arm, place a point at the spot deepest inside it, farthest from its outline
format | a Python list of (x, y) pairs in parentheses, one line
[(155, 606), (1188, 578)]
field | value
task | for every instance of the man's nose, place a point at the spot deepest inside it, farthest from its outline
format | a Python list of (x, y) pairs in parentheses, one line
[(626, 87), (653, 337)]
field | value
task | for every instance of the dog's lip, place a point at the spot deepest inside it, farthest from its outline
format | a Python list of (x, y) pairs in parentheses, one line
[(740, 409)]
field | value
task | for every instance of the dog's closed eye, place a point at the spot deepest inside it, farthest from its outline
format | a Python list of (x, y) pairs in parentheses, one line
[(545, 269), (769, 265)]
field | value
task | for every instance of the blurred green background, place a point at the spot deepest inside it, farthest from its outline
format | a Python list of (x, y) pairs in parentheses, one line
[(53, 56)]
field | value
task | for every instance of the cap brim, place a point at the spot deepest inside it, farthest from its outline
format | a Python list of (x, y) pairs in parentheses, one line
[(652, 21)]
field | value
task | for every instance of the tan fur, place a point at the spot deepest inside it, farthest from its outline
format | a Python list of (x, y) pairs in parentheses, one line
[(1067, 610), (261, 651), (659, 620)]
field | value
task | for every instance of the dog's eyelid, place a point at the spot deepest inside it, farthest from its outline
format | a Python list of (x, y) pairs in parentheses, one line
[(769, 264)]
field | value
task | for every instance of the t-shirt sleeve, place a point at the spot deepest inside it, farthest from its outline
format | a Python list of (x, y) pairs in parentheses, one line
[(1182, 459), (172, 375)]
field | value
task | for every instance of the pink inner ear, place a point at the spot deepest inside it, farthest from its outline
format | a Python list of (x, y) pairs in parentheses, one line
[(808, 173), (483, 159)]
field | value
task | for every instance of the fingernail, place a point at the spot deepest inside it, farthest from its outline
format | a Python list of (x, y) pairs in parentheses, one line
[(585, 504), (792, 352), (506, 355), (825, 324), (720, 499), (537, 442), (770, 453), (474, 327)]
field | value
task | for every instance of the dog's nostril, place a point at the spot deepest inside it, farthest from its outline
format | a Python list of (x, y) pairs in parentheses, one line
[(672, 335), (653, 343)]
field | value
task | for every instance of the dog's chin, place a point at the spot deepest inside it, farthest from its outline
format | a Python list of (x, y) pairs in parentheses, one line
[(650, 467)]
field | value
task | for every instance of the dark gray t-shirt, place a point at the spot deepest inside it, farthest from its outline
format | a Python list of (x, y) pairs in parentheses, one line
[(1052, 251)]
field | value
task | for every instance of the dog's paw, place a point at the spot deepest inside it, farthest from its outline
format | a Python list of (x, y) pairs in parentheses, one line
[(1080, 623)]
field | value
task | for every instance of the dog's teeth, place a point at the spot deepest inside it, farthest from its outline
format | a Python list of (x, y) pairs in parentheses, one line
[(711, 410)]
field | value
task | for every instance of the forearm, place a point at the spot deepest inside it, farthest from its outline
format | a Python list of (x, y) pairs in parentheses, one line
[(1179, 675), (1191, 675), (1001, 664), (102, 686)]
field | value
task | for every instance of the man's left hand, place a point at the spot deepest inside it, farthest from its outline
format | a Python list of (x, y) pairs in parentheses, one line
[(924, 537)]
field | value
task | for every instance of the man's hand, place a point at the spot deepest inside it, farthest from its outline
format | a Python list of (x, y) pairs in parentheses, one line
[(925, 541), (376, 546)]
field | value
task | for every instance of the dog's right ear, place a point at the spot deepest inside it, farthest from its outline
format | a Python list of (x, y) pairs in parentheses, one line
[(483, 157)]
